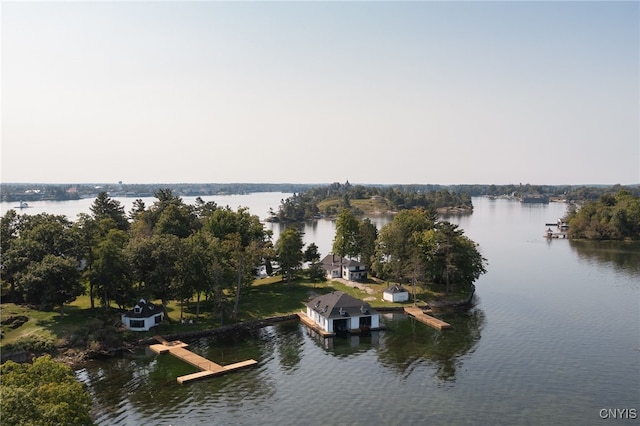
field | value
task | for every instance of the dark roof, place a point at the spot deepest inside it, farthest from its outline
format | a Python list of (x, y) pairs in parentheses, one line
[(338, 304), (396, 288), (332, 261), (147, 309)]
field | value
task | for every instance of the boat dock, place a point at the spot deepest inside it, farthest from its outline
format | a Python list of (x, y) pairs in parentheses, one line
[(418, 314), (208, 368)]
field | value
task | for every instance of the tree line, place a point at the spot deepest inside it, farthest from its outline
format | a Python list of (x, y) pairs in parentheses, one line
[(611, 217), (174, 251), (305, 205), (166, 251), (415, 248)]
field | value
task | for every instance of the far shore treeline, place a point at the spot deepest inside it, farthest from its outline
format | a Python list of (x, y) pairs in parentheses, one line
[(12, 192)]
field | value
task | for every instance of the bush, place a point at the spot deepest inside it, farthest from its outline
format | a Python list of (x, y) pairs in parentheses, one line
[(35, 344)]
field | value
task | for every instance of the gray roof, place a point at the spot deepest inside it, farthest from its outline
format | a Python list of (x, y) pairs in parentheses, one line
[(340, 305), (331, 261), (396, 288), (147, 310)]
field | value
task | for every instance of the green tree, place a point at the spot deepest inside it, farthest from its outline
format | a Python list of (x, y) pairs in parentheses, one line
[(450, 257), (8, 236), (37, 256), (153, 265), (196, 268), (87, 238), (244, 241), (311, 253), (367, 236), (611, 217), (105, 207), (346, 240), (289, 251), (168, 215), (396, 248), (41, 394), (111, 272), (54, 280)]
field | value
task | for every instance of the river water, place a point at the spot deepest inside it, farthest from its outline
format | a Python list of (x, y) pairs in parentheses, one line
[(553, 338)]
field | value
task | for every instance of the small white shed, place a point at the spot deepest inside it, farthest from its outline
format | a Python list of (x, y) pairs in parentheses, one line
[(143, 316), (395, 293)]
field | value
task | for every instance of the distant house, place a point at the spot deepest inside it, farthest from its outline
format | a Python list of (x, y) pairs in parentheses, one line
[(395, 293), (340, 267), (143, 316), (337, 312)]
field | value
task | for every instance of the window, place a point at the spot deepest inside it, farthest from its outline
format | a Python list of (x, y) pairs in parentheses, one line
[(136, 323), (158, 319)]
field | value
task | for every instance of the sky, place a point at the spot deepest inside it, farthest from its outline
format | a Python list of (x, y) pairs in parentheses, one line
[(419, 92)]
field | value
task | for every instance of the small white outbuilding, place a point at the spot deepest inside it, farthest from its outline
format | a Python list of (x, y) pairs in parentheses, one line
[(143, 316), (395, 293)]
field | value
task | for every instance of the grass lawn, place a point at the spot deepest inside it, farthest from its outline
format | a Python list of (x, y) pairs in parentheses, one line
[(267, 297), (45, 325), (366, 205)]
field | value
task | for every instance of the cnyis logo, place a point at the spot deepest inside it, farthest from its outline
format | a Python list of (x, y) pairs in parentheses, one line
[(618, 413)]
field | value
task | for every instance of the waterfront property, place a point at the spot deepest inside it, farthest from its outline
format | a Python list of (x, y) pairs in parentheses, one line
[(143, 316), (341, 267), (338, 312), (395, 293), (208, 368)]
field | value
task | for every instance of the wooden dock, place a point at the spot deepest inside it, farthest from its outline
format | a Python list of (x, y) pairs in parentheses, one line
[(418, 314), (209, 368)]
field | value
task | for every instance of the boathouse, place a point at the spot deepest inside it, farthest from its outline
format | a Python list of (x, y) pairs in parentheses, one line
[(395, 293), (143, 316), (338, 312), (341, 267)]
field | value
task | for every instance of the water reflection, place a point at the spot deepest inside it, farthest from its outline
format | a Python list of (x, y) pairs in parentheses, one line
[(289, 344), (345, 345), (623, 256), (408, 343)]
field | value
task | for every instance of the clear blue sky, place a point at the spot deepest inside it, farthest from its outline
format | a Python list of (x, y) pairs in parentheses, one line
[(315, 92)]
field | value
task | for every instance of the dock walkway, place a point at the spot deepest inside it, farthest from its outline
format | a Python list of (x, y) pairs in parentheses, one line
[(418, 314), (209, 368), (312, 325)]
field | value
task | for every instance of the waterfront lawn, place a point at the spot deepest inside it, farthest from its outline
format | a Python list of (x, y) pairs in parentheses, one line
[(45, 326), (267, 297)]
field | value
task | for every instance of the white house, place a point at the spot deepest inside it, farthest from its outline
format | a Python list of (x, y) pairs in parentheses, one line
[(337, 312), (340, 267), (143, 316), (395, 293)]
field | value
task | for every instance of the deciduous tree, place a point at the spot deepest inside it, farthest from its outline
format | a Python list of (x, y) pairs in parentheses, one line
[(289, 251), (44, 393), (54, 280)]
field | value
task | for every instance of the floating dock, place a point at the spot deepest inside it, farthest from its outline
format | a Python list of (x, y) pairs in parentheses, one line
[(209, 368), (418, 314)]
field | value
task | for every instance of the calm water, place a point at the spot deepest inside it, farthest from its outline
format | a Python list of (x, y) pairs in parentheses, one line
[(554, 337)]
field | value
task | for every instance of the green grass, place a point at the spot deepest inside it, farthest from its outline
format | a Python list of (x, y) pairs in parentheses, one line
[(365, 205), (45, 325), (267, 297)]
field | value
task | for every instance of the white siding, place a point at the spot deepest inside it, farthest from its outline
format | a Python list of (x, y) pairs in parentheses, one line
[(395, 297), (355, 322), (375, 321)]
